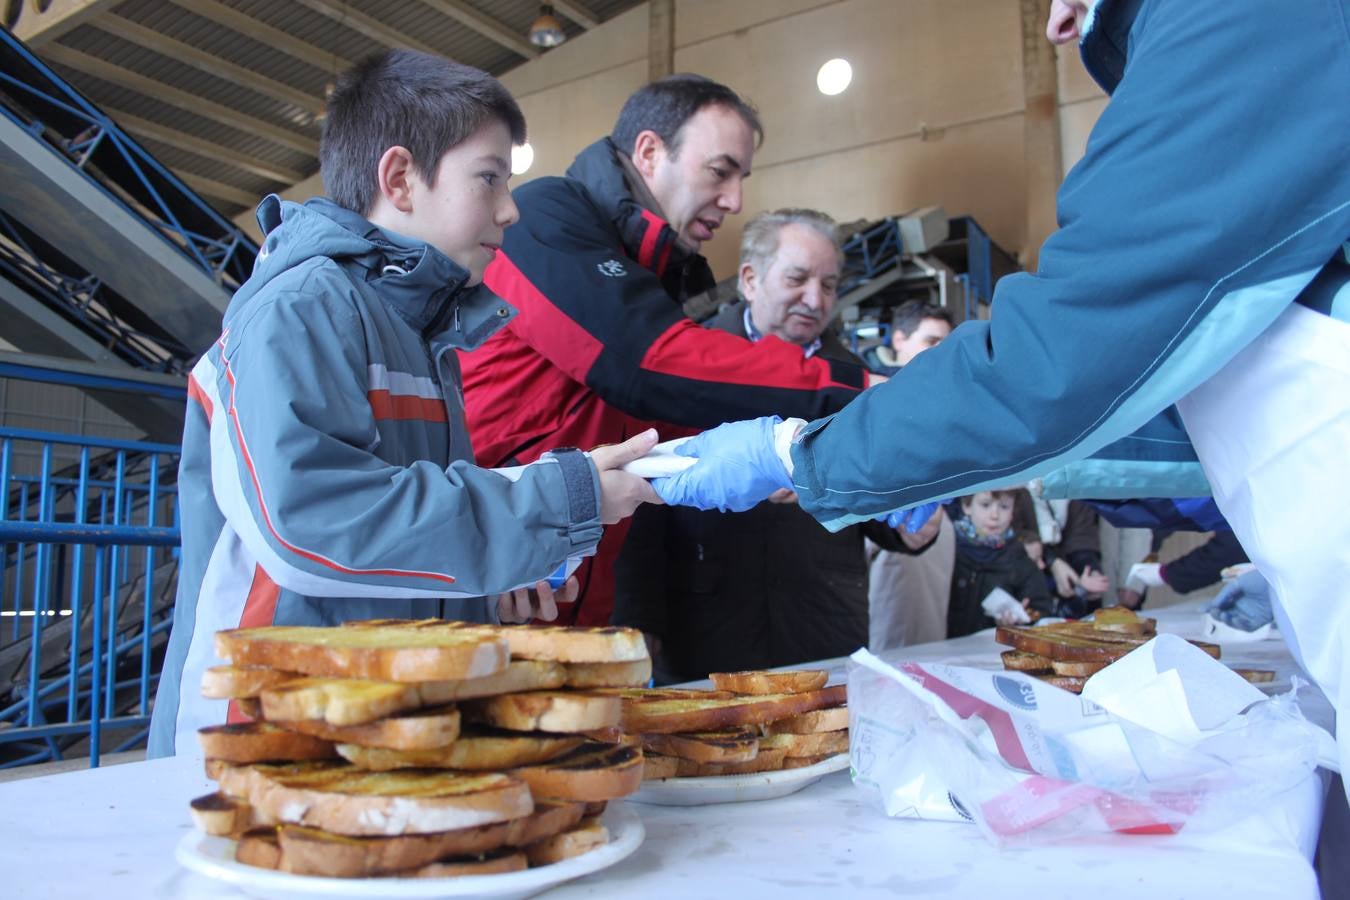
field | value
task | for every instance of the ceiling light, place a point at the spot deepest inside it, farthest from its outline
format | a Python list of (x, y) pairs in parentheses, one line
[(546, 31), (522, 157), (834, 77)]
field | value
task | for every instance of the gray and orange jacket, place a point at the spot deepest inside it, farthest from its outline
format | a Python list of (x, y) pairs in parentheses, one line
[(326, 472)]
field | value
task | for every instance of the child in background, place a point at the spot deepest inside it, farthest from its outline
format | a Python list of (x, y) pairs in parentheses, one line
[(326, 470), (989, 557)]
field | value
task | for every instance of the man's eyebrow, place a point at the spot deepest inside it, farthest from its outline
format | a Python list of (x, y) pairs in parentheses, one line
[(493, 159), (730, 160)]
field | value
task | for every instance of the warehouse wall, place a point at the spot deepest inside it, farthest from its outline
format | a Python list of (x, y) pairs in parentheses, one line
[(934, 114)]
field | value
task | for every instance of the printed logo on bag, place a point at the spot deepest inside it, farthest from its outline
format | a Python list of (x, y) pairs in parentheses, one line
[(1018, 693), (611, 268), (960, 810)]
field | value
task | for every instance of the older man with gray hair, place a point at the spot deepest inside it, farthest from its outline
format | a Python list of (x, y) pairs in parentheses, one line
[(767, 587)]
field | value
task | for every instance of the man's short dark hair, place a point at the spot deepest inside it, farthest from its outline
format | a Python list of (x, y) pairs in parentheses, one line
[(665, 105), (404, 98), (911, 313)]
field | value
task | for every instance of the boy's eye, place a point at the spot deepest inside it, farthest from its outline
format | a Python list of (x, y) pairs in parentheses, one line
[(489, 177), (722, 174)]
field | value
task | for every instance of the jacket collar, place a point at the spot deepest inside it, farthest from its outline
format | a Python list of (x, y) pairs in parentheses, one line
[(647, 236), (1106, 40), (422, 285)]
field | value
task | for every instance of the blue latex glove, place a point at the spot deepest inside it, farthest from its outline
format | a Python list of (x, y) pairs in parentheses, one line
[(1244, 604), (737, 468), (910, 519)]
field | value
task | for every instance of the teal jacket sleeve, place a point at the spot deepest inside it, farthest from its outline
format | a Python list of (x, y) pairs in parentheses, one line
[(1215, 186)]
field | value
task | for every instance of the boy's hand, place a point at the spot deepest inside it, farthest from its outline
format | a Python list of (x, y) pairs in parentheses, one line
[(538, 602), (620, 492)]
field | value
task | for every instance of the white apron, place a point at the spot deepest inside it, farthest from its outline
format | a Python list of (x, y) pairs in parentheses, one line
[(1272, 430)]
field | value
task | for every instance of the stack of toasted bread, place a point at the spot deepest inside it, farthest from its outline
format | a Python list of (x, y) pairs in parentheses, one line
[(419, 749), (1066, 654), (750, 722)]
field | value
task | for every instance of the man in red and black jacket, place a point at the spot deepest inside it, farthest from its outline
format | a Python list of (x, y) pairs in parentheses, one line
[(598, 267)]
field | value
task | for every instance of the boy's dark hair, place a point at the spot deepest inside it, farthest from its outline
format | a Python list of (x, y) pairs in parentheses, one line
[(410, 99), (909, 314), (968, 499), (666, 104)]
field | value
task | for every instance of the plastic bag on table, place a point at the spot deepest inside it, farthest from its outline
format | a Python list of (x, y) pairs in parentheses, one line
[(1191, 747)]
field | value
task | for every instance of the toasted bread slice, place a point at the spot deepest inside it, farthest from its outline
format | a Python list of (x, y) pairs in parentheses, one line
[(422, 729), (738, 744), (594, 808), (222, 815), (590, 772), (572, 843), (237, 780), (760, 683), (477, 750), (347, 800), (1071, 641), (355, 701), (671, 716), (833, 719), (825, 743), (232, 682), (259, 847), (1071, 683), (643, 695), (310, 851), (613, 735), (1123, 620), (1076, 667), (632, 673), (388, 654), (562, 712), (655, 766), (492, 864), (1257, 676), (1022, 661), (801, 762), (766, 761), (249, 742), (547, 642)]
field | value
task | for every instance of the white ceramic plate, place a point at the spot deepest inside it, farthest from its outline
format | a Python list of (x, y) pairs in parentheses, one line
[(214, 858), (735, 788), (661, 461)]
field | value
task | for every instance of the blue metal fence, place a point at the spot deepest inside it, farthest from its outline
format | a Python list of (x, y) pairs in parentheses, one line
[(88, 540)]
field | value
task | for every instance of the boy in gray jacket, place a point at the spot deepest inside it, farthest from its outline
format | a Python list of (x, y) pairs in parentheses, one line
[(326, 472)]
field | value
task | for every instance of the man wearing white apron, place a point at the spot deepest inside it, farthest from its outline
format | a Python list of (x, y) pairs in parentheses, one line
[(1199, 262)]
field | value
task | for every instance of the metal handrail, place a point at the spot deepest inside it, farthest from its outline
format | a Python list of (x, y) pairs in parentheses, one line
[(56, 583)]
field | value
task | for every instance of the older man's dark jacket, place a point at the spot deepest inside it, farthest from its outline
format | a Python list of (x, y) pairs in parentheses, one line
[(733, 591)]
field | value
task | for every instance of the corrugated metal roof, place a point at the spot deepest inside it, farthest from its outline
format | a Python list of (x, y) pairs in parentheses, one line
[(199, 141)]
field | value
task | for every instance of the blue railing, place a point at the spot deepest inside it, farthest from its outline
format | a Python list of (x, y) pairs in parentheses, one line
[(88, 534)]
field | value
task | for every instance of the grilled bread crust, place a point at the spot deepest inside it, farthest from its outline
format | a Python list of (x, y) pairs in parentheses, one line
[(561, 712), (249, 742), (589, 773), (761, 682), (825, 743), (355, 701), (419, 730), (476, 750), (633, 673), (833, 719), (671, 716), (766, 761), (348, 800), (566, 845), (739, 744), (391, 654), (232, 682)]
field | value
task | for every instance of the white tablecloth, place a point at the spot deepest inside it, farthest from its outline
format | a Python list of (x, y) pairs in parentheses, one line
[(110, 833)]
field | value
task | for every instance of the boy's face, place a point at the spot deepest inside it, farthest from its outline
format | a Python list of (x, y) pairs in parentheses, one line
[(929, 333), (990, 515), (465, 214)]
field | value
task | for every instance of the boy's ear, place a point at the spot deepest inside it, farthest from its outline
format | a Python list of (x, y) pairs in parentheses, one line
[(648, 149), (394, 176)]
